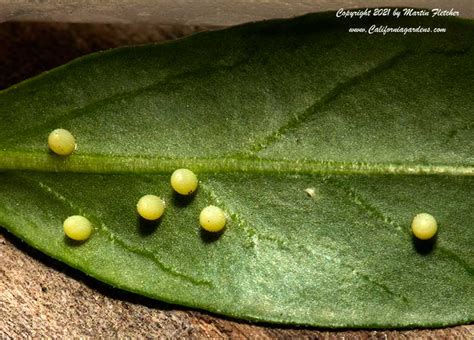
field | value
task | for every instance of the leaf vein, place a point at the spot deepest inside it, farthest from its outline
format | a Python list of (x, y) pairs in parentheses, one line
[(120, 164), (113, 238), (297, 119), (123, 95), (254, 236), (368, 208), (372, 211)]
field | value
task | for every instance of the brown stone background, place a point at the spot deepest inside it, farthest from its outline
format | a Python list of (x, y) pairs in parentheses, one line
[(40, 297)]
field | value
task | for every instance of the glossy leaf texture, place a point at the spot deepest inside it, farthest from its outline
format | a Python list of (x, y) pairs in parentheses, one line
[(321, 146)]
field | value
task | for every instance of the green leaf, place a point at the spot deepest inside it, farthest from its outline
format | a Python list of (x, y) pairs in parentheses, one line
[(379, 127)]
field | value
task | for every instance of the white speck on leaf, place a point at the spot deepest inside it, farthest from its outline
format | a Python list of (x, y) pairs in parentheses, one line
[(311, 192)]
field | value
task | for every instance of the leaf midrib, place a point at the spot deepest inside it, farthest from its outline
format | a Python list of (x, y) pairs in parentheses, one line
[(46, 162), (247, 161)]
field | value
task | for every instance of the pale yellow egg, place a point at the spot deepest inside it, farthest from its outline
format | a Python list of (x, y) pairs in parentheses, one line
[(184, 181), (424, 226), (212, 218), (77, 227), (151, 207), (61, 142)]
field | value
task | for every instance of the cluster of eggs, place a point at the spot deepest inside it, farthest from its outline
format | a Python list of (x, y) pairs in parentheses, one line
[(184, 182), (149, 207)]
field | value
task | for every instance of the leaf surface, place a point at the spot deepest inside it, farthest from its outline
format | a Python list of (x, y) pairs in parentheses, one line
[(378, 127)]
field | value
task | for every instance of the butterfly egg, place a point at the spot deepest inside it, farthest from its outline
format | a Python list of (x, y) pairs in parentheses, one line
[(77, 227), (61, 142), (184, 181), (424, 226), (212, 218), (151, 207)]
